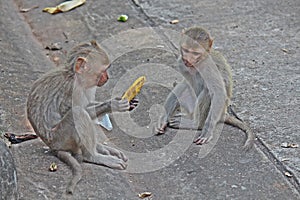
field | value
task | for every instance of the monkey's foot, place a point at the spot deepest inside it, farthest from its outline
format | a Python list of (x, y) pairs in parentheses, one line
[(161, 129), (202, 139), (107, 160), (175, 122), (106, 150)]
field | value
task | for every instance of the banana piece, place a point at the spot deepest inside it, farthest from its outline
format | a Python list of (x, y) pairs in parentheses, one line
[(134, 89)]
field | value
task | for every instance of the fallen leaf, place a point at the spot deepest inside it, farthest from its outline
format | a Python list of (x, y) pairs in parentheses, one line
[(54, 46), (175, 21), (294, 145), (288, 174), (284, 144), (53, 167), (144, 195), (289, 145), (28, 9), (15, 139), (64, 7)]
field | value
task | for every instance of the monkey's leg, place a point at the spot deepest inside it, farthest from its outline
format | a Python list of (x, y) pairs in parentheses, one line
[(199, 111), (231, 120), (186, 102), (86, 132), (64, 141), (180, 122), (75, 166), (107, 150), (170, 106)]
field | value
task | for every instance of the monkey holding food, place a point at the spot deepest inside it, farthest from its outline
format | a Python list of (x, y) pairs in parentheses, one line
[(61, 111), (205, 93)]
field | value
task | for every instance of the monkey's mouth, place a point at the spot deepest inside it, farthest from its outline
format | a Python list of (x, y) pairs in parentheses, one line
[(187, 63)]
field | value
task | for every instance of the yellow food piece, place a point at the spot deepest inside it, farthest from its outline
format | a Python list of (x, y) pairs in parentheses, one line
[(64, 7), (134, 89), (144, 195), (53, 167)]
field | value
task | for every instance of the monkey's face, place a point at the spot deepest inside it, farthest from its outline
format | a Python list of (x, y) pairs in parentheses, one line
[(192, 55), (97, 74), (91, 74), (103, 78)]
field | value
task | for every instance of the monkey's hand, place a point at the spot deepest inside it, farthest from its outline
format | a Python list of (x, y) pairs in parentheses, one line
[(162, 125), (133, 104), (119, 105)]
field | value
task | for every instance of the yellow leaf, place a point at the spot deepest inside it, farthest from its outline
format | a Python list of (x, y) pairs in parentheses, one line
[(64, 7)]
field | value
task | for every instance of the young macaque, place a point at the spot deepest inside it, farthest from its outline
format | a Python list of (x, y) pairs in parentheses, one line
[(61, 111), (206, 91)]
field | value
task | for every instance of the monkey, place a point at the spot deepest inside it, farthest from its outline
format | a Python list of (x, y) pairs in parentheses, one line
[(61, 110), (8, 174), (205, 93)]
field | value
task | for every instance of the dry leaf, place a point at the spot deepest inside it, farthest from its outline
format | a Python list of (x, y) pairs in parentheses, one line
[(284, 159), (27, 9), (288, 174), (144, 195), (284, 144), (175, 21), (64, 7), (54, 46), (289, 145), (53, 167), (294, 145)]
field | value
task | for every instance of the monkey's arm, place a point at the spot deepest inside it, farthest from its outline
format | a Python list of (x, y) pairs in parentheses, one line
[(96, 109), (217, 92), (218, 100), (170, 105)]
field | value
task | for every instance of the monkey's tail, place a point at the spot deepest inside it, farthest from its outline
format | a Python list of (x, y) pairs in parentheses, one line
[(234, 113), (76, 169), (236, 122)]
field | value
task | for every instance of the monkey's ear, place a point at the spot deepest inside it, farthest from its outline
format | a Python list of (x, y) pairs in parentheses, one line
[(95, 44), (80, 65)]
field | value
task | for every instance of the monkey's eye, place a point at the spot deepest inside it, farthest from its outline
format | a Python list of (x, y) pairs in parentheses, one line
[(196, 54)]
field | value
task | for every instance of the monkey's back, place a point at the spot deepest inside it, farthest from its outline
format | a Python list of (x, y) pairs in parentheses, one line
[(224, 69), (48, 101)]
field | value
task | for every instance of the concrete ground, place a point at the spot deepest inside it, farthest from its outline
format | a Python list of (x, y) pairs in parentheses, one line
[(261, 41)]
